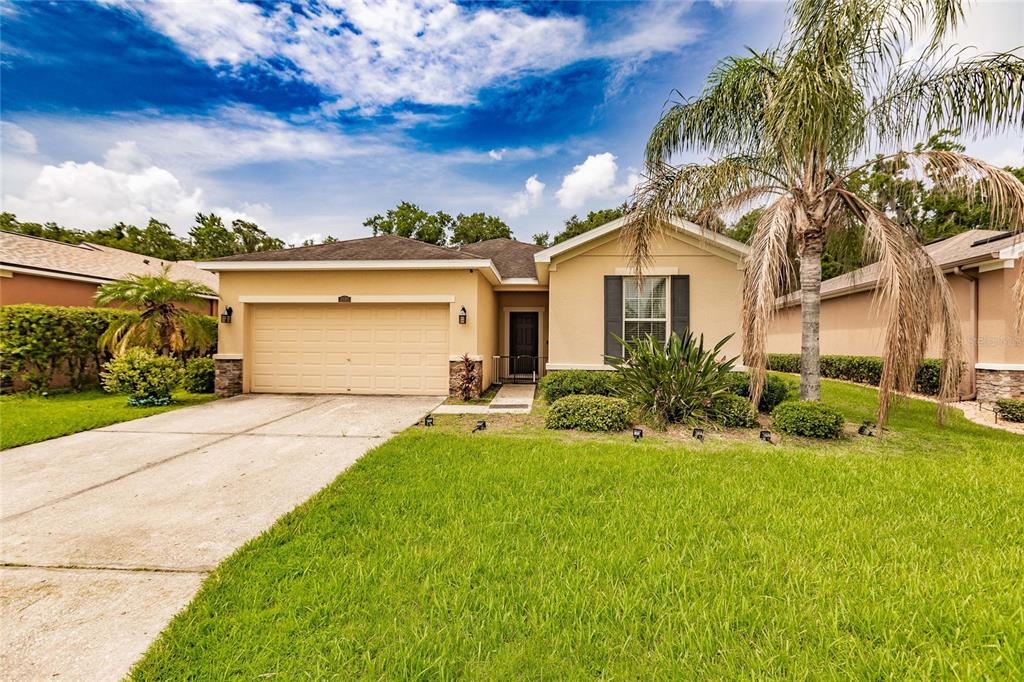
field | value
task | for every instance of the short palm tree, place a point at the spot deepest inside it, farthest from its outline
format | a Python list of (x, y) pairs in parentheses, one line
[(791, 124), (164, 322)]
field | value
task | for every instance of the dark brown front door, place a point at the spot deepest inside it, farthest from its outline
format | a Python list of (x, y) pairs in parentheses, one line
[(523, 341)]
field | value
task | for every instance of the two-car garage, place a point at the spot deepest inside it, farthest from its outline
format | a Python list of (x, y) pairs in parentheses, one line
[(366, 348)]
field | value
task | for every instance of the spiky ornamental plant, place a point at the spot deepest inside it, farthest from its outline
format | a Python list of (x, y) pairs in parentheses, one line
[(790, 125), (164, 322)]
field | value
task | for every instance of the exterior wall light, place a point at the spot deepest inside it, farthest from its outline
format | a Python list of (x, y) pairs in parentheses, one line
[(462, 315), (225, 316)]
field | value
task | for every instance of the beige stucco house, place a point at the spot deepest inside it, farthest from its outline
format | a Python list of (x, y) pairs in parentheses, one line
[(390, 315), (981, 268)]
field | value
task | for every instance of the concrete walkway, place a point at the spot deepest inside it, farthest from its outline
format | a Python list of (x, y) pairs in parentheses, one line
[(106, 534), (510, 399)]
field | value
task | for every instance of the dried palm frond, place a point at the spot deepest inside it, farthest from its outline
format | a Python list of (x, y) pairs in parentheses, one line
[(768, 270)]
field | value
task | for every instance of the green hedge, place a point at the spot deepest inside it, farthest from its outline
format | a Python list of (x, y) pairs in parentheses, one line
[(588, 413), (1011, 410), (40, 342), (861, 369), (814, 420), (577, 382)]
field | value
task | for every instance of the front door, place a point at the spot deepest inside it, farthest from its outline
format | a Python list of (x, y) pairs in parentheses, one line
[(523, 341)]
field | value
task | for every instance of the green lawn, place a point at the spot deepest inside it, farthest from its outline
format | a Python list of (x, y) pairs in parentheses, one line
[(523, 554), (29, 419)]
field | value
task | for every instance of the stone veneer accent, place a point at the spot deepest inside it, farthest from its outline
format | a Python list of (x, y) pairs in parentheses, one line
[(454, 367), (994, 384), (227, 377)]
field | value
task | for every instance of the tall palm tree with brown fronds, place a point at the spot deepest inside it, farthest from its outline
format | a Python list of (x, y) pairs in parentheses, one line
[(164, 323), (788, 127)]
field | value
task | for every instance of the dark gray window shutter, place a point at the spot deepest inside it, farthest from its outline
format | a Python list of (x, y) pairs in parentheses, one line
[(612, 315), (680, 304)]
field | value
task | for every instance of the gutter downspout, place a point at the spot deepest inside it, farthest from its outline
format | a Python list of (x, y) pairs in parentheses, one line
[(973, 279)]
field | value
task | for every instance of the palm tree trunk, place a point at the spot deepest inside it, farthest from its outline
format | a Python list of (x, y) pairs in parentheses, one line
[(810, 312)]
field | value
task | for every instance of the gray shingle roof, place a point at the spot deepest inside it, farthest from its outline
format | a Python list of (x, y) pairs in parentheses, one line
[(510, 257), (383, 247), (91, 260), (960, 249)]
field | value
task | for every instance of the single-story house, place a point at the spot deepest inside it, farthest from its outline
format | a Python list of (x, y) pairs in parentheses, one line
[(390, 315), (981, 267), (38, 270)]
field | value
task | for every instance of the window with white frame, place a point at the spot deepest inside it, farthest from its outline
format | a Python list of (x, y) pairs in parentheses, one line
[(645, 308)]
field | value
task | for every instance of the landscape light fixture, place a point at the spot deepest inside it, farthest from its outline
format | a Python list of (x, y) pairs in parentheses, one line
[(698, 433), (637, 434), (866, 429), (766, 436), (462, 315), (480, 426), (225, 316), (428, 420)]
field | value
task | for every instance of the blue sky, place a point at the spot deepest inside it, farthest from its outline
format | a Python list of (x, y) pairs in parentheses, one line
[(310, 117)]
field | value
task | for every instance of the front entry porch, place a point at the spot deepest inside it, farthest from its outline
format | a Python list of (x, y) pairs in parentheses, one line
[(522, 338)]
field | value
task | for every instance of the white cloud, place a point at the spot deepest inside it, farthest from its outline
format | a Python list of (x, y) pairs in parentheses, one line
[(497, 154), (126, 187), (595, 178), (374, 54), (16, 139), (528, 199)]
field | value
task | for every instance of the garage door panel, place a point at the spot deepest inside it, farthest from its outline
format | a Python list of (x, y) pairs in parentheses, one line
[(360, 348)]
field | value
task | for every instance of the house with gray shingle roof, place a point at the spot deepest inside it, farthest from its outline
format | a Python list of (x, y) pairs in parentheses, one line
[(981, 267), (39, 270)]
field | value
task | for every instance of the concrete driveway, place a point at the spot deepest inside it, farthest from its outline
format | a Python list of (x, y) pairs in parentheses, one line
[(106, 534)]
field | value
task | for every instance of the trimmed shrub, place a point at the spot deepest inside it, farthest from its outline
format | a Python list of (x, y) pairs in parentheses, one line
[(861, 369), (810, 419), (145, 377), (1010, 409), (774, 392), (588, 413), (929, 376), (198, 375), (734, 410), (577, 382), (672, 382)]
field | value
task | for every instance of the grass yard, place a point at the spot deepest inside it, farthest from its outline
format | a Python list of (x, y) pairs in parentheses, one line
[(29, 419), (520, 553)]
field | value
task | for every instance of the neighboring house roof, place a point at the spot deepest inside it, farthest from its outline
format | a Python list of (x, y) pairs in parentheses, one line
[(682, 226), (88, 262), (513, 259), (966, 248)]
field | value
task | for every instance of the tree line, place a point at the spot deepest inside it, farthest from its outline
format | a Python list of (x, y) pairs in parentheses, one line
[(208, 237)]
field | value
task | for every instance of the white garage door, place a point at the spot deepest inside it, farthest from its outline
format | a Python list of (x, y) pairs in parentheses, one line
[(350, 348)]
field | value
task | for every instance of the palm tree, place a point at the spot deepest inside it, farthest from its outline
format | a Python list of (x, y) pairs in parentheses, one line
[(164, 321), (788, 127)]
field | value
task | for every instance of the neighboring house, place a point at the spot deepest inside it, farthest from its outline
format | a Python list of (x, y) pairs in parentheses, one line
[(391, 315), (37, 270), (981, 267)]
